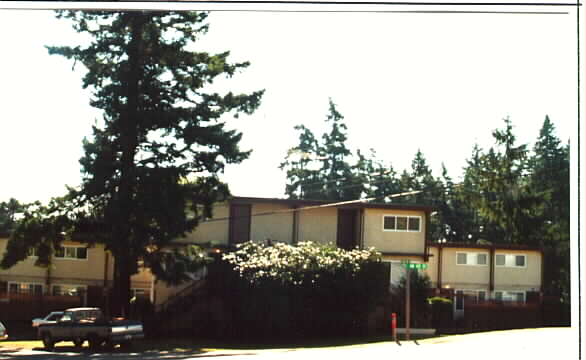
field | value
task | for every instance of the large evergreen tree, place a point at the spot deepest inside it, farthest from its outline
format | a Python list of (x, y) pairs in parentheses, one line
[(504, 196), (300, 166), (339, 182), (161, 126), (8, 211), (550, 179), (320, 170)]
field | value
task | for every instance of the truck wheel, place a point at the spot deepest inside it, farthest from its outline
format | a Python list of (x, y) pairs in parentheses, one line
[(78, 343), (94, 341), (48, 341)]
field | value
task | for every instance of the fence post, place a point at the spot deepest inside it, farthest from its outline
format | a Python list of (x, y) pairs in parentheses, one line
[(394, 326)]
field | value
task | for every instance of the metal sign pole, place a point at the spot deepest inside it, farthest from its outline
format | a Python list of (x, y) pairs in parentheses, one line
[(408, 304)]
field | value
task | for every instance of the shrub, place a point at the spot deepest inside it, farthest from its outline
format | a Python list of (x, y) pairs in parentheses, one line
[(306, 263), (305, 290)]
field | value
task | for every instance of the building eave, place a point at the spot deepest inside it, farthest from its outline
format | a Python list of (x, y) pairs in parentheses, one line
[(309, 202), (485, 246)]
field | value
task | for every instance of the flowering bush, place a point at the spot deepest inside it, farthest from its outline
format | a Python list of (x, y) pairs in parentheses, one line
[(302, 264), (303, 290)]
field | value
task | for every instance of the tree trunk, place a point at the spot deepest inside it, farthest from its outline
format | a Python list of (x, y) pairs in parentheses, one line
[(122, 235)]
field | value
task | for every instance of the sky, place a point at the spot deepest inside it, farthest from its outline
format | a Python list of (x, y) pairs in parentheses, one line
[(438, 82)]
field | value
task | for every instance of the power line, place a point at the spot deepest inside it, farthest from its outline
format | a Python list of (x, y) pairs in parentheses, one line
[(312, 207)]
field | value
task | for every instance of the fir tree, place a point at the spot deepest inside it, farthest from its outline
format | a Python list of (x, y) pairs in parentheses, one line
[(161, 126), (8, 211), (550, 171)]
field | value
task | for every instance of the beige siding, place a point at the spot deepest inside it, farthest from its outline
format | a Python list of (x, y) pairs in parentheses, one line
[(214, 232), (432, 265), (142, 280), (276, 226), (162, 291), (473, 277), (83, 271), (519, 278), (477, 277), (89, 272), (318, 225), (24, 271), (392, 241)]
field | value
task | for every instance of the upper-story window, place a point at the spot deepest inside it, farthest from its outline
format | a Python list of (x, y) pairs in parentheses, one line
[(466, 258), (71, 252), (510, 260), (401, 223)]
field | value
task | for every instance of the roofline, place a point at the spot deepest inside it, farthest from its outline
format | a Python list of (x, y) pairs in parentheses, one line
[(484, 246), (309, 202), (394, 253)]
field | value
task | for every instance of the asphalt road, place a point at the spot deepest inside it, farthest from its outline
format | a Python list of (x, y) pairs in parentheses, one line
[(547, 343)]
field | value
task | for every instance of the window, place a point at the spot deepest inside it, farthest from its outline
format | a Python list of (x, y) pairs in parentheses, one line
[(139, 293), (54, 317), (510, 296), (25, 288), (468, 296), (414, 224), (69, 290), (471, 258), (71, 252), (397, 271), (481, 259), (401, 223), (510, 260), (462, 258)]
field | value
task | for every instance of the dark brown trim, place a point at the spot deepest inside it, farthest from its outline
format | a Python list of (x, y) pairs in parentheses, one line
[(295, 231), (291, 202), (542, 253), (427, 236), (440, 256), (362, 212), (421, 255), (482, 246), (491, 270), (106, 259), (232, 218)]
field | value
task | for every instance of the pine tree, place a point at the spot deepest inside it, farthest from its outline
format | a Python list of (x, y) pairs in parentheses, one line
[(161, 126)]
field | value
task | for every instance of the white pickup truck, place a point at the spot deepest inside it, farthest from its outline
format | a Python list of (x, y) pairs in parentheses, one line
[(89, 324)]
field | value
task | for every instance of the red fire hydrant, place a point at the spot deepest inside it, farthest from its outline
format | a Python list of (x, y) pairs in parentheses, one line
[(394, 326)]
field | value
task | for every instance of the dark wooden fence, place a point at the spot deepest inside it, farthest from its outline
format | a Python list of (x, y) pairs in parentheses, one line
[(20, 307), (26, 306)]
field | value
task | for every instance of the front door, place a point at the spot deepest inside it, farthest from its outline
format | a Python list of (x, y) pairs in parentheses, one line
[(347, 237)]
